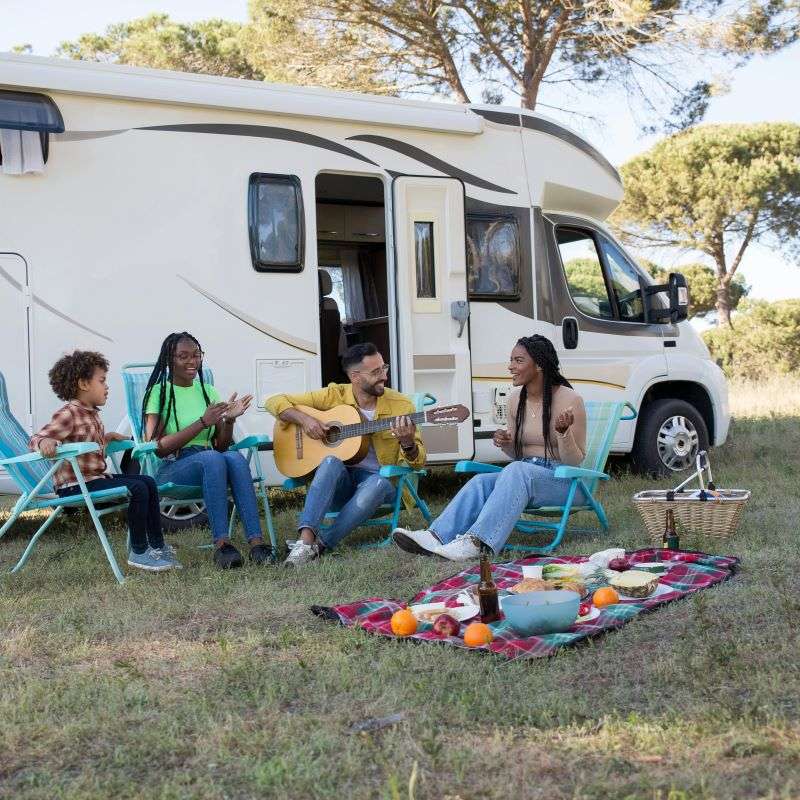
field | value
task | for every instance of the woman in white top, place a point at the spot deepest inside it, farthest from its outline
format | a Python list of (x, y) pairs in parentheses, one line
[(546, 428)]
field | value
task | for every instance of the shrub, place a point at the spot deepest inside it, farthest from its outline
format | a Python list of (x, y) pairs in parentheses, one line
[(764, 340)]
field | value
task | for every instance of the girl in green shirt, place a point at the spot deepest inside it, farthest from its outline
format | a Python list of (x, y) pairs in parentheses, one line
[(193, 429)]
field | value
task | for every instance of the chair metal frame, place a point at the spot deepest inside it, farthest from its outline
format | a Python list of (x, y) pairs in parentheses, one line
[(145, 452), (602, 420), (387, 514), (32, 473)]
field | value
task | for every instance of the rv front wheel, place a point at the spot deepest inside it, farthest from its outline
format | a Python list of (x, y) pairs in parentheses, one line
[(668, 437)]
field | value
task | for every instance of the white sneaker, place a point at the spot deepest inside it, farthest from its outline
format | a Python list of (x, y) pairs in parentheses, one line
[(463, 548), (301, 554), (421, 543)]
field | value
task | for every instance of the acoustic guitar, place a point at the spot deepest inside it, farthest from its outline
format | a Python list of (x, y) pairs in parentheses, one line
[(298, 455)]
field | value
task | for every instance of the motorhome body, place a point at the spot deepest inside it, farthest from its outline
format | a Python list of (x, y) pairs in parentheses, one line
[(280, 223)]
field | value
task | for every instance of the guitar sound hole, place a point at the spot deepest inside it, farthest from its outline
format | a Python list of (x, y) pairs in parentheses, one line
[(333, 434)]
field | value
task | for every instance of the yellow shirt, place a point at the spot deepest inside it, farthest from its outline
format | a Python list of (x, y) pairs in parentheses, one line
[(389, 404)]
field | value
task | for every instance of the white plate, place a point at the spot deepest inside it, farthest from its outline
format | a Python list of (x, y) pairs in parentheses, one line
[(593, 614), (459, 613)]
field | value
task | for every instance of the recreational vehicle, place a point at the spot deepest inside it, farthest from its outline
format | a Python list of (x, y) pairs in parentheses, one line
[(280, 224)]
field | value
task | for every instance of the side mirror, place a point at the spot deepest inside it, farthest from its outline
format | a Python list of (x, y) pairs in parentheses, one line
[(678, 297), (676, 290)]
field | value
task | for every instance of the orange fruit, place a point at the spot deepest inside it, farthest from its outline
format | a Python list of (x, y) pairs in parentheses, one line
[(477, 634), (404, 623), (605, 597)]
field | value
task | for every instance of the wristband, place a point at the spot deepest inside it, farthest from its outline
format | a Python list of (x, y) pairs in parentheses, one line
[(201, 420), (408, 448)]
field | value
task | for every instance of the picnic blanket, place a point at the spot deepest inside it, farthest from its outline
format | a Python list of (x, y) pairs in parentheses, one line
[(690, 572)]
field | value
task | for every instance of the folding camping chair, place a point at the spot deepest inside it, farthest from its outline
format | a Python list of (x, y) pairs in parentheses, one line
[(134, 377), (388, 514), (601, 426), (32, 474)]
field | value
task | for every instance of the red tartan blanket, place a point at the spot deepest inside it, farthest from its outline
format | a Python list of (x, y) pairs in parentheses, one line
[(690, 573)]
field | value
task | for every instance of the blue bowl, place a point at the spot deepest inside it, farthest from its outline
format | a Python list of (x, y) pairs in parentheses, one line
[(550, 611)]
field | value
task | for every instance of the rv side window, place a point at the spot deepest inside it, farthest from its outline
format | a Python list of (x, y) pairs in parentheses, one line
[(275, 214), (624, 279), (493, 257), (426, 267), (584, 272)]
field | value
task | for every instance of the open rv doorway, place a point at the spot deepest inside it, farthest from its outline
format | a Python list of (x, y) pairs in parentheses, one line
[(351, 254)]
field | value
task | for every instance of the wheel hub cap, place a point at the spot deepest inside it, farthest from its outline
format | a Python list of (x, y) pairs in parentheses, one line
[(677, 443)]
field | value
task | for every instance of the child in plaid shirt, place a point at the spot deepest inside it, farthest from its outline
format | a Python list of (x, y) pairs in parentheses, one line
[(80, 379)]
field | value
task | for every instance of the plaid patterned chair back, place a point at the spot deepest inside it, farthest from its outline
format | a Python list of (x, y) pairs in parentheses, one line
[(601, 426), (134, 379), (14, 442)]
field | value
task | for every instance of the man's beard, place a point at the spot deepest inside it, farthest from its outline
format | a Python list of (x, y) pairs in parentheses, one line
[(375, 389)]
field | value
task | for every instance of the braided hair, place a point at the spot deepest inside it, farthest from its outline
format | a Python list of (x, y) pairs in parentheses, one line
[(544, 355), (161, 376)]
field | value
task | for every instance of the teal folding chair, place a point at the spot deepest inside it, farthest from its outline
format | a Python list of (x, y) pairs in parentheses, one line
[(32, 474), (388, 514), (134, 378), (601, 426)]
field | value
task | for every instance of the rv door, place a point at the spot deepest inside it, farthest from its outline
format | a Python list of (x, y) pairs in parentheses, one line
[(15, 359), (432, 308)]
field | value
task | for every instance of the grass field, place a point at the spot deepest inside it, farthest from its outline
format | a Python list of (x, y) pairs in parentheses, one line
[(206, 685)]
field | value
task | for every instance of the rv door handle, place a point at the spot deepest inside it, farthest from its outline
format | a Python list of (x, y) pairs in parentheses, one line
[(569, 332), (459, 311)]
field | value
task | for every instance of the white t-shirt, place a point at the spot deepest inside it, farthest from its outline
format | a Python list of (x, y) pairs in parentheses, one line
[(370, 461)]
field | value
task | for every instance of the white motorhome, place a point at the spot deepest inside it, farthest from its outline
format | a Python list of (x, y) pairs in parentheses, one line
[(279, 224)]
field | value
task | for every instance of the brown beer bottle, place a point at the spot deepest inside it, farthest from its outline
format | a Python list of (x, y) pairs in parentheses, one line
[(670, 540), (487, 590)]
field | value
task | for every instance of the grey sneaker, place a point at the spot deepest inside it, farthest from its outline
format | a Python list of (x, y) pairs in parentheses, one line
[(169, 553), (151, 561), (465, 547), (301, 554), (421, 543)]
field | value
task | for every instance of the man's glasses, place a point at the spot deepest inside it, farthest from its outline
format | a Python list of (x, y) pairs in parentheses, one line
[(185, 358), (375, 373)]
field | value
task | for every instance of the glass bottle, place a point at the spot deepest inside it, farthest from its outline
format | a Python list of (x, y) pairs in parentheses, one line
[(487, 590), (670, 540)]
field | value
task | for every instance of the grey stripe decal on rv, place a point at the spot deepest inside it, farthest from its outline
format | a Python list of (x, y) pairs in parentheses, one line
[(82, 136), (262, 132), (262, 327), (500, 117), (17, 285), (429, 160), (550, 128)]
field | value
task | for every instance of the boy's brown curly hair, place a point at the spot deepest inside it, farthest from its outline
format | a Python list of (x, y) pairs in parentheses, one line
[(73, 367)]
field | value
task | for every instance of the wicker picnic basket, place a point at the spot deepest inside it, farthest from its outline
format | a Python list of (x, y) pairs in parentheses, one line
[(709, 512)]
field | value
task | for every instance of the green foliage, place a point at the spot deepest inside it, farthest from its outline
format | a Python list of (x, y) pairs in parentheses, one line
[(585, 278), (715, 189), (212, 46), (702, 285), (765, 340)]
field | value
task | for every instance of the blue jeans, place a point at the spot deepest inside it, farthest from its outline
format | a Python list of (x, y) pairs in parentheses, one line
[(144, 513), (489, 505), (355, 493), (215, 472)]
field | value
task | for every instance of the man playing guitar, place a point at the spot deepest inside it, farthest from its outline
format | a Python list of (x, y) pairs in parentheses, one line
[(356, 490)]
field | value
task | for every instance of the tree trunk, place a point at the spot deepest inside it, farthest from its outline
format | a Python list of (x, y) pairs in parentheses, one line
[(723, 303)]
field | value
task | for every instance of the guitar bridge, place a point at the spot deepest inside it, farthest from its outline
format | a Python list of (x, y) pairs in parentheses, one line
[(298, 441)]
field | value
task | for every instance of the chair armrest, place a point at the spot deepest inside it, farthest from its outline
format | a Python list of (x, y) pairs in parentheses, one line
[(294, 483), (579, 472), (477, 466), (144, 449), (120, 446), (633, 411), (251, 441), (63, 451), (396, 470)]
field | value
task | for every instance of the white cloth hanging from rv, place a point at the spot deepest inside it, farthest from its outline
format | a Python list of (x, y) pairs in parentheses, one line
[(351, 280), (22, 152)]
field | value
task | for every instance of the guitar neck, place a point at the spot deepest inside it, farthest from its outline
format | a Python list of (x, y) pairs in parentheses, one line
[(376, 425)]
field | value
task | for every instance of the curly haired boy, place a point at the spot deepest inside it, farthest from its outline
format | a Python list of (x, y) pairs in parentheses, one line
[(79, 379)]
